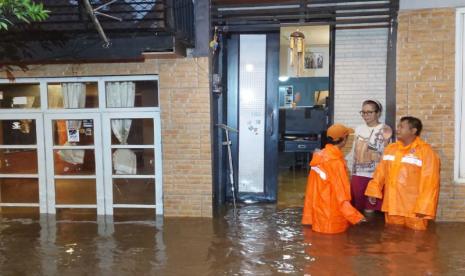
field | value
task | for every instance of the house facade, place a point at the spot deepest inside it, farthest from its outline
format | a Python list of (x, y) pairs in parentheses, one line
[(414, 67), (92, 128), (175, 162)]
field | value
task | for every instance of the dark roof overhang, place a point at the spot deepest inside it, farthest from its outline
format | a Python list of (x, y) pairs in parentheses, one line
[(131, 28), (250, 15)]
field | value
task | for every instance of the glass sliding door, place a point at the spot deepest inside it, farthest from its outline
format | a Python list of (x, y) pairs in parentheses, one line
[(56, 158), (252, 96), (74, 165), (22, 170), (133, 153)]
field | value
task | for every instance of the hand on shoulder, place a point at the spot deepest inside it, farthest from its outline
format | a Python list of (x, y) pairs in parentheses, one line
[(387, 132)]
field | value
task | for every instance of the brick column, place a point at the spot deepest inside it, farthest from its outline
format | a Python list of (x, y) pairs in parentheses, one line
[(425, 89)]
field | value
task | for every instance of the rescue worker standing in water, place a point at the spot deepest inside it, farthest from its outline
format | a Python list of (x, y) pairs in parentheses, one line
[(327, 198), (409, 175)]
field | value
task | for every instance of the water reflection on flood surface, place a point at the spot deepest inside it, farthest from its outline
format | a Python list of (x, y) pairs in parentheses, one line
[(258, 240)]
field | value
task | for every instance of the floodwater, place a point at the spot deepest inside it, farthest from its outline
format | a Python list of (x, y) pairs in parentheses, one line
[(258, 240), (291, 188)]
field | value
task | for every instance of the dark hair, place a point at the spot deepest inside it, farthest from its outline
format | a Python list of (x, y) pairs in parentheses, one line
[(331, 141), (413, 123), (377, 105)]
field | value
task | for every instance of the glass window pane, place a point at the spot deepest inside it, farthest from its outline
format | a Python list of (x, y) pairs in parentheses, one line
[(18, 132), (76, 214), (19, 190), (75, 191), (20, 212), (134, 191), (19, 95), (133, 161), (72, 95), (131, 94), (133, 214), (74, 162), (73, 132), (140, 131), (18, 161)]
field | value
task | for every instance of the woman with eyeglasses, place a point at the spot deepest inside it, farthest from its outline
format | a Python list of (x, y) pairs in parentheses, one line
[(369, 142)]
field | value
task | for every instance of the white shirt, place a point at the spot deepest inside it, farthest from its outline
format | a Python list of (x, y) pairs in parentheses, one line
[(369, 143)]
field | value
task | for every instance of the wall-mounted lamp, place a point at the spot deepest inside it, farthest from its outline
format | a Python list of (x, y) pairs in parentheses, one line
[(283, 78)]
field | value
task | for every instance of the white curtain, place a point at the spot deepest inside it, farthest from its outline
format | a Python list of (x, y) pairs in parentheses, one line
[(122, 94), (74, 96)]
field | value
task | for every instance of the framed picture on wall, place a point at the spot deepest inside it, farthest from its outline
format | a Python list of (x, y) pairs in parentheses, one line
[(320, 97), (313, 60)]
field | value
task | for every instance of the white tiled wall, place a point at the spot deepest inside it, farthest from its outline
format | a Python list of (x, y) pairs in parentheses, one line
[(360, 72)]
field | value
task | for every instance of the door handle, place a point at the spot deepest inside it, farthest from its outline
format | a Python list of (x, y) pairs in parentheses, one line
[(272, 123)]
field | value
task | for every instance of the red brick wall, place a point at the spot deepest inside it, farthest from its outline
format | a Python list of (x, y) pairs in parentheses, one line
[(185, 114), (185, 100), (425, 89)]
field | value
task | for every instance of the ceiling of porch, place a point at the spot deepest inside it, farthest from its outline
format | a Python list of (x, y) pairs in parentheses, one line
[(272, 14)]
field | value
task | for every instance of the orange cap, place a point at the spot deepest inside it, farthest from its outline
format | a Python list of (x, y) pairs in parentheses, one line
[(338, 131)]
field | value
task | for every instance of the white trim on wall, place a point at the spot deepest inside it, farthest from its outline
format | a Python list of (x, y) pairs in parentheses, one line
[(429, 4), (459, 160)]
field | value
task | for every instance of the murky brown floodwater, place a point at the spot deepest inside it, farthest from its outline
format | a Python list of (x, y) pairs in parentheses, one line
[(259, 241)]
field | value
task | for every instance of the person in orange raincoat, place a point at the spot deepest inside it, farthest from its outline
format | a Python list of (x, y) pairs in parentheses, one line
[(327, 199), (409, 175)]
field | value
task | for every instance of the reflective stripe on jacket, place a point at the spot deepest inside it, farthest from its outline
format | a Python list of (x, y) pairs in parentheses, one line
[(327, 199), (409, 176)]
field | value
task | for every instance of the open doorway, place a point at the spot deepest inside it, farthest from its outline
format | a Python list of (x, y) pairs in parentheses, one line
[(304, 89), (279, 112)]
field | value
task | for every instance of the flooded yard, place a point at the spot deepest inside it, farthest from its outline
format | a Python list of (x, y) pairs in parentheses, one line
[(258, 240)]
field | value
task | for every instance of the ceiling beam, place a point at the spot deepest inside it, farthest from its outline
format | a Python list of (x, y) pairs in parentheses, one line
[(337, 12)]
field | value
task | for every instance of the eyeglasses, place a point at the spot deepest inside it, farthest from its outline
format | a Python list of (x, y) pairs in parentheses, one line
[(366, 112)]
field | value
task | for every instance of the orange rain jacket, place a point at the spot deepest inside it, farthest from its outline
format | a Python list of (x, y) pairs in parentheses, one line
[(410, 178), (327, 199)]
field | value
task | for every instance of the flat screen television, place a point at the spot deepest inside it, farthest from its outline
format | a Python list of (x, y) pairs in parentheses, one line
[(302, 120)]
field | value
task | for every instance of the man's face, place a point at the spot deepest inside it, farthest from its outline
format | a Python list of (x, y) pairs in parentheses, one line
[(404, 132)]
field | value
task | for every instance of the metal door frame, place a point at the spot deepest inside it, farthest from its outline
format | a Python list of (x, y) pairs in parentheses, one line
[(40, 148), (97, 147), (44, 115), (107, 151)]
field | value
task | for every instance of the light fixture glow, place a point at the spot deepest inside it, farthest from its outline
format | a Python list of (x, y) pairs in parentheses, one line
[(246, 96), (283, 78)]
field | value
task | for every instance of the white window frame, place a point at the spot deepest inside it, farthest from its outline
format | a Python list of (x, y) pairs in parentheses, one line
[(157, 174), (51, 177), (459, 152), (101, 112), (40, 148)]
